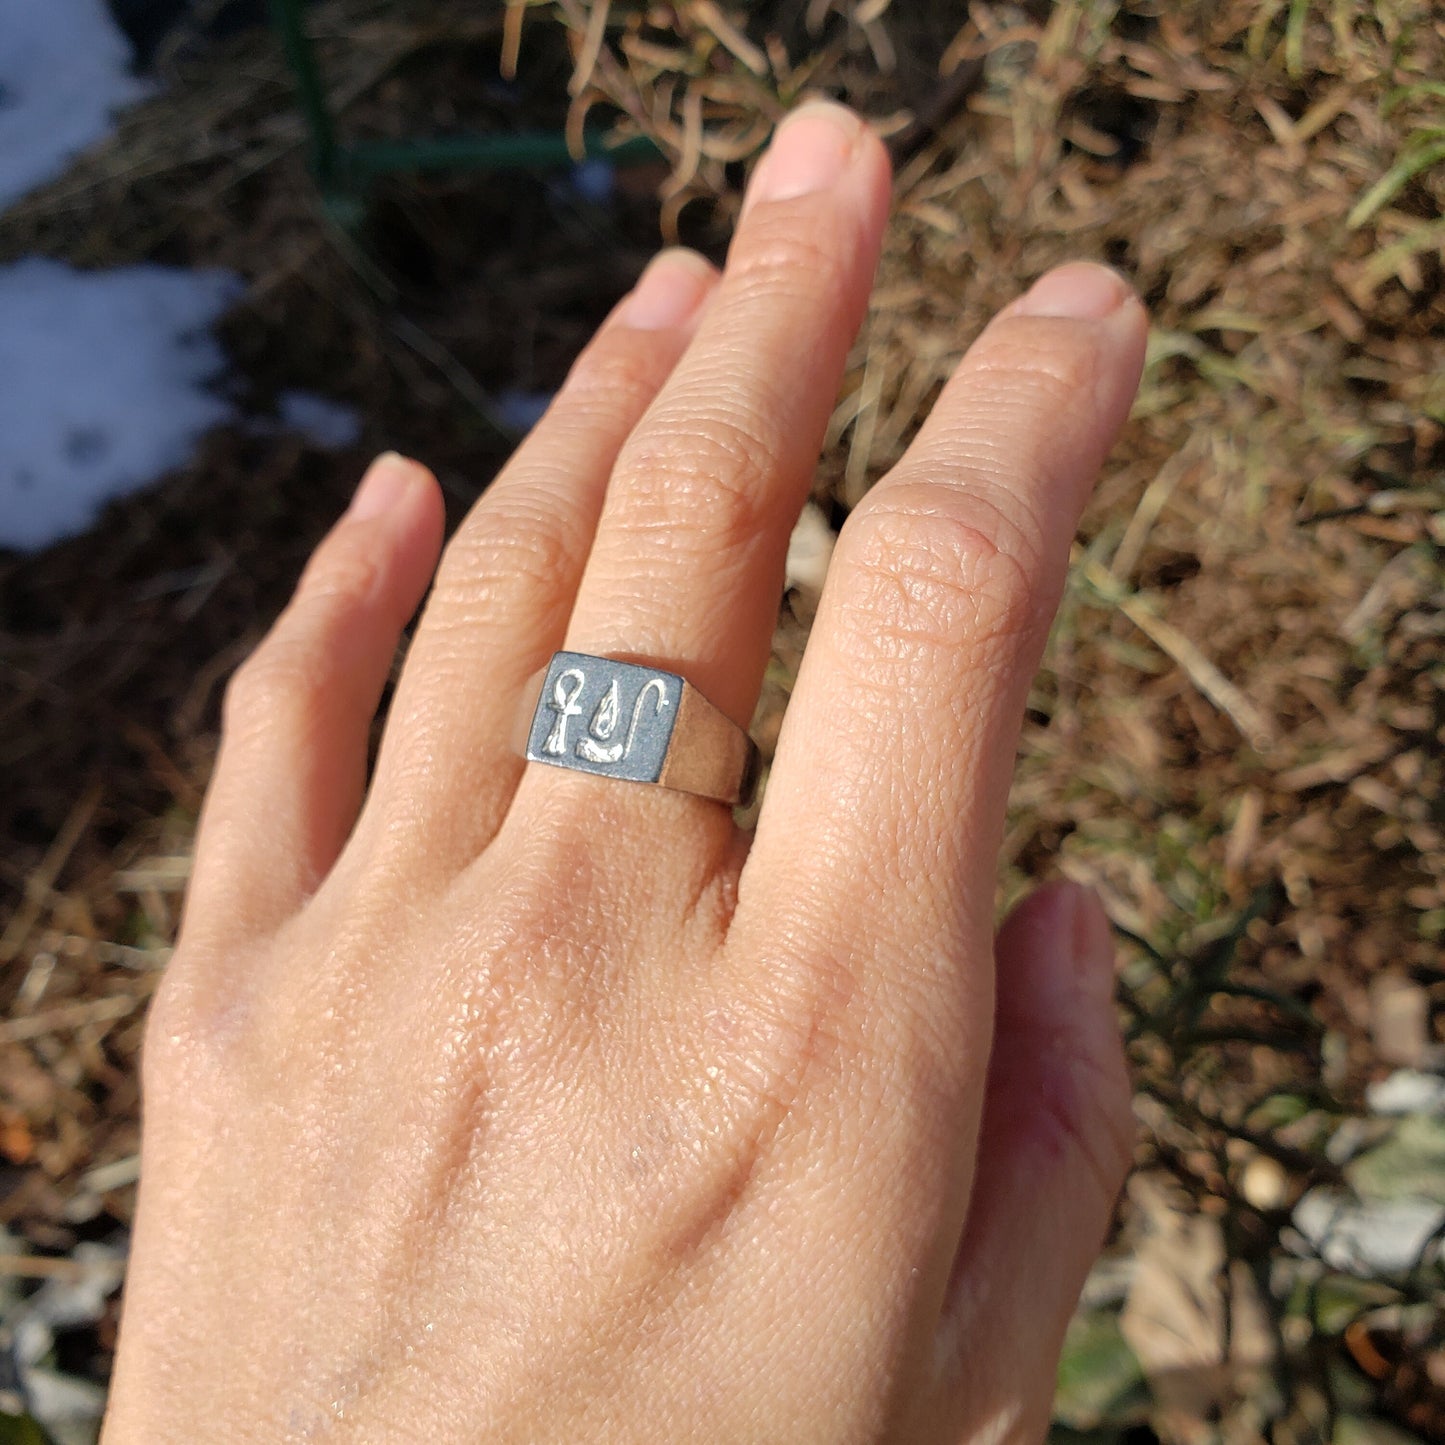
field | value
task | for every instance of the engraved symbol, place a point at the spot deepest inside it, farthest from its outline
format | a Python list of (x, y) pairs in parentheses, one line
[(564, 704), (602, 744), (657, 707), (602, 726)]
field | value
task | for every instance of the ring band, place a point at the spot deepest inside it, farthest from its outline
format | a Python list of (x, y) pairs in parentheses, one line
[(622, 720)]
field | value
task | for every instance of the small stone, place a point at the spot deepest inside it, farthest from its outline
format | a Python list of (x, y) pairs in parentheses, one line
[(810, 549), (1407, 1091), (1264, 1183), (1399, 1019)]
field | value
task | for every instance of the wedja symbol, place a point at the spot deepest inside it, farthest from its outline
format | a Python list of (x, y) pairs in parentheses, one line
[(602, 726)]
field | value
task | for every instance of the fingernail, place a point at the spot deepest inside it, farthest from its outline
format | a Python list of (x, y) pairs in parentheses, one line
[(1091, 938), (668, 291), (1080, 291), (387, 480), (810, 152)]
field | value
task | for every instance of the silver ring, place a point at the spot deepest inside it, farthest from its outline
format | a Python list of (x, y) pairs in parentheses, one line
[(622, 720)]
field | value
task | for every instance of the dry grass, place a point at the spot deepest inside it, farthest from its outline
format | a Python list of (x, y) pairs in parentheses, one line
[(1237, 734)]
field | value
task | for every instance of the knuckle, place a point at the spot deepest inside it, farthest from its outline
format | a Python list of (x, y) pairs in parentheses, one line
[(279, 678), (791, 1034), (914, 579), (784, 259), (344, 574), (518, 545), (713, 475), (267, 680), (294, 660), (190, 1037), (550, 881), (219, 1034), (619, 373), (1034, 357)]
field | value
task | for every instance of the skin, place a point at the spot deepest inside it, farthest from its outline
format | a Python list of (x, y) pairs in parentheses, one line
[(504, 1103)]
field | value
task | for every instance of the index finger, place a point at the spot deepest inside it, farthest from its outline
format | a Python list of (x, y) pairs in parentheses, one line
[(879, 836)]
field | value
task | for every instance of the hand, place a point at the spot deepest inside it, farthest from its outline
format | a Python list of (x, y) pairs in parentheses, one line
[(520, 1105)]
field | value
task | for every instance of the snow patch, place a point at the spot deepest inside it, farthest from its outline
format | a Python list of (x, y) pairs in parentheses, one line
[(103, 385), (1368, 1237), (324, 423), (64, 70), (518, 410)]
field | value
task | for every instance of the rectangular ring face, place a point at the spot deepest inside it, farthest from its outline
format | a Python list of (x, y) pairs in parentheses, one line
[(614, 719)]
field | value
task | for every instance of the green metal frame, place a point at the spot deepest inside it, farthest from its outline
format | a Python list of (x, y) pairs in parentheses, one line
[(348, 169)]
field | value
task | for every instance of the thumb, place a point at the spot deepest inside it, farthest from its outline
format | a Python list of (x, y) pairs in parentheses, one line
[(1054, 1150)]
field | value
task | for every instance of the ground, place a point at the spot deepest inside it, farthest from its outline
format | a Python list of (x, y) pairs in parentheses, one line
[(1237, 733)]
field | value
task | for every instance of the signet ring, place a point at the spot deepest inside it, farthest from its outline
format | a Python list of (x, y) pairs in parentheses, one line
[(624, 720)]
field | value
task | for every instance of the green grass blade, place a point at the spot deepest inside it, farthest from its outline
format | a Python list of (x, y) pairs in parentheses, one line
[(1413, 161), (1294, 37)]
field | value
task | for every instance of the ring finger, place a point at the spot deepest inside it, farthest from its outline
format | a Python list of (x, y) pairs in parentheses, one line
[(687, 566)]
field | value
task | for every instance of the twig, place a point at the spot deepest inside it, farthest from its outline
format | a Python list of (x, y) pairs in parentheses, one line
[(707, 14), (865, 423), (40, 1266), (1151, 505), (39, 884), (937, 110), (512, 22), (68, 1016), (1256, 729), (592, 37)]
